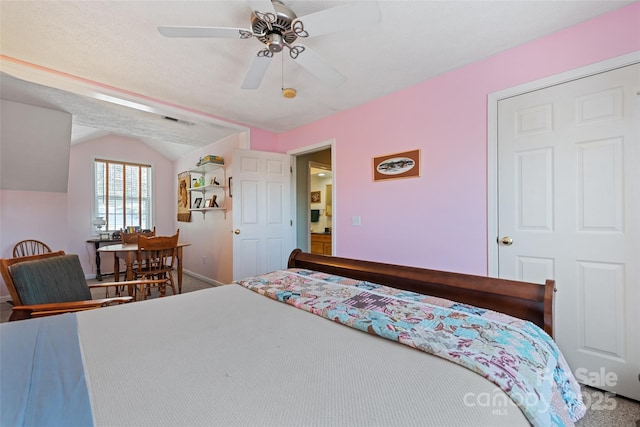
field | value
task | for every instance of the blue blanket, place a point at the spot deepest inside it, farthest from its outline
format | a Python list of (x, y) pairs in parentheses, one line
[(42, 381)]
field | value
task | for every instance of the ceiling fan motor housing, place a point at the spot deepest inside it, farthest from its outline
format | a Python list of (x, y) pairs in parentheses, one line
[(278, 33)]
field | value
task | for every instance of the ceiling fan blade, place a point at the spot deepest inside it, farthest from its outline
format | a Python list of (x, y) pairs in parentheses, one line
[(205, 32), (256, 72), (313, 63), (342, 18), (262, 6)]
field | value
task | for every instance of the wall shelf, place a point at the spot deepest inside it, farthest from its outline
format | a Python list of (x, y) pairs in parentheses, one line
[(209, 167), (204, 188), (205, 210), (208, 172)]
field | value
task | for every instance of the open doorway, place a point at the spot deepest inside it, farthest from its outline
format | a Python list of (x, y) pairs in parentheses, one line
[(304, 205), (320, 208)]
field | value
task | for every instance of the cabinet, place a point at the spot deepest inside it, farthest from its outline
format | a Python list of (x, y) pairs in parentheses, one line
[(205, 197), (321, 244)]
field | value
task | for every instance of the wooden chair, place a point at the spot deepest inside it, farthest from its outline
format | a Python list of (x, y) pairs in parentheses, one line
[(156, 256), (30, 247), (54, 283), (132, 238)]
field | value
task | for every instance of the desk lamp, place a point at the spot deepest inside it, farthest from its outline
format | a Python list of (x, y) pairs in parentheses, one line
[(98, 223)]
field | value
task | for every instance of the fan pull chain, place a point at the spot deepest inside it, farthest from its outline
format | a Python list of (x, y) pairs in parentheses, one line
[(287, 92)]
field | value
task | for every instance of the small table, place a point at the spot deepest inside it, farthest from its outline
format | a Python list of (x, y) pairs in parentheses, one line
[(129, 252), (97, 243)]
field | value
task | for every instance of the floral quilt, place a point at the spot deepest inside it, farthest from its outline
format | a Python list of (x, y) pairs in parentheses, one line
[(514, 354)]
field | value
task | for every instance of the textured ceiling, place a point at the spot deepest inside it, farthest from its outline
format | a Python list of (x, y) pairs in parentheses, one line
[(93, 118), (116, 43)]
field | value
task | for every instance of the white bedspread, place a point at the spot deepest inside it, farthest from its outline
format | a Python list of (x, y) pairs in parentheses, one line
[(230, 357)]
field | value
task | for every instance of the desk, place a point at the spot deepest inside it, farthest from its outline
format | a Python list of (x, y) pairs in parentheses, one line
[(97, 243), (129, 253)]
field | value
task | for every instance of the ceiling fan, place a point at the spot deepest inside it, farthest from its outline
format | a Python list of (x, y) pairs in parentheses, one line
[(277, 26)]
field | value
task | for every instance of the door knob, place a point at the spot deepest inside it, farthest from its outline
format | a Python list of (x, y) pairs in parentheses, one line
[(506, 241), (237, 231)]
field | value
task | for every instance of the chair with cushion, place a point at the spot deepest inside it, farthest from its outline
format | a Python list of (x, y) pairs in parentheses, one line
[(156, 256), (53, 283), (30, 247)]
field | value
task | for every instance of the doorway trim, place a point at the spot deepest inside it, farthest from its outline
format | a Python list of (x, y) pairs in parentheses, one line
[(492, 137), (307, 149)]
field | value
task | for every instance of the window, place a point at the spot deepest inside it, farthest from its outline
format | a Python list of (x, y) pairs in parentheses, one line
[(123, 194)]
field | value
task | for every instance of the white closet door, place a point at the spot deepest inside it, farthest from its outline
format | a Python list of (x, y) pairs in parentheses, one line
[(569, 198)]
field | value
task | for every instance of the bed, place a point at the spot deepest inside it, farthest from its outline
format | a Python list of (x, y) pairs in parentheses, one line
[(288, 348)]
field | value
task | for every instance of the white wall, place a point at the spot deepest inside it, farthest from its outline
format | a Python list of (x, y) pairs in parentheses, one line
[(34, 168), (63, 219), (210, 254), (36, 215), (81, 191), (34, 148)]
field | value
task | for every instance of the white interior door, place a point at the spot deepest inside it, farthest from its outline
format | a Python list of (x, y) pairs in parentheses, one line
[(262, 225), (569, 198)]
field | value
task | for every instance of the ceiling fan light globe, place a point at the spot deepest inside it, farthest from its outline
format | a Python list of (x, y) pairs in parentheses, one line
[(289, 93)]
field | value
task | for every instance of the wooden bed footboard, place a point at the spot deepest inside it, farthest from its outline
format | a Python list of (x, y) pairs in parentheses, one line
[(528, 301)]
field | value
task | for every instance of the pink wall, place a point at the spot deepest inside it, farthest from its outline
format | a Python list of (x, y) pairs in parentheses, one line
[(263, 140), (440, 219)]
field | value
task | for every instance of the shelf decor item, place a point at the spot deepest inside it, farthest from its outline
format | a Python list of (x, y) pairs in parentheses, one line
[(184, 197), (211, 159), (398, 165), (208, 185)]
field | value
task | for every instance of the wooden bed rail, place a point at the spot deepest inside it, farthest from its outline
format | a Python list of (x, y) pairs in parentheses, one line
[(525, 300)]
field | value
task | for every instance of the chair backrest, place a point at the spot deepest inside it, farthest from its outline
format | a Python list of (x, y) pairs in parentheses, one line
[(157, 253), (132, 238), (30, 247), (45, 278)]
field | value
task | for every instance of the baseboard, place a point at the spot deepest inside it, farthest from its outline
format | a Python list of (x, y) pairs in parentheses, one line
[(203, 278), (5, 298)]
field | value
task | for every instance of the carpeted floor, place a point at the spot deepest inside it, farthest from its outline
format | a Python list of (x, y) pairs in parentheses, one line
[(604, 410)]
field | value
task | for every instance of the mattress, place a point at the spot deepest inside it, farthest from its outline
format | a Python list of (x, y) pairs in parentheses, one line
[(230, 357), (237, 356)]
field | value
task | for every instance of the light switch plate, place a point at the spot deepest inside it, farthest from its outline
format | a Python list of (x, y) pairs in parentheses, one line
[(356, 221)]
